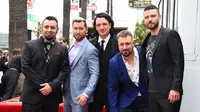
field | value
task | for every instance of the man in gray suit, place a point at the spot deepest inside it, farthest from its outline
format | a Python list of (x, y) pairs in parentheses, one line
[(84, 74)]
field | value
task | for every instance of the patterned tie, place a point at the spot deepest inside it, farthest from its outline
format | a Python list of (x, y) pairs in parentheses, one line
[(47, 48)]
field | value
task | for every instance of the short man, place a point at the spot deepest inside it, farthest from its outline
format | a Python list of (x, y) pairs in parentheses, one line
[(106, 42), (84, 72), (126, 89), (45, 65), (162, 64)]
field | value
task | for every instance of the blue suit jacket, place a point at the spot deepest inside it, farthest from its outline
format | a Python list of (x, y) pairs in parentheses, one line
[(84, 73), (121, 90)]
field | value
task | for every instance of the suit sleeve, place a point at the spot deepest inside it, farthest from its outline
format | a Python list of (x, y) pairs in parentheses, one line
[(113, 87), (26, 62), (93, 67), (64, 71), (177, 55)]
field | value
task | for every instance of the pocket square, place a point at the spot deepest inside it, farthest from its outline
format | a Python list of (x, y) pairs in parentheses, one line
[(57, 53)]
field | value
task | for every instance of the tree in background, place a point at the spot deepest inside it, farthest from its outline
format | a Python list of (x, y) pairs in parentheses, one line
[(38, 31), (66, 19), (140, 33), (17, 23)]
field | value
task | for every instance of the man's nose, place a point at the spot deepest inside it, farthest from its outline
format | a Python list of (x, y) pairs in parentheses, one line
[(149, 19), (49, 29), (77, 31), (101, 26), (124, 46)]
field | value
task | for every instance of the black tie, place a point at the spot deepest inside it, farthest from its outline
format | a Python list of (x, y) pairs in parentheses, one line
[(102, 45)]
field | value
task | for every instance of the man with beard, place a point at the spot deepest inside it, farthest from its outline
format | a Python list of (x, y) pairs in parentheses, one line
[(45, 65), (84, 70), (126, 89), (162, 64)]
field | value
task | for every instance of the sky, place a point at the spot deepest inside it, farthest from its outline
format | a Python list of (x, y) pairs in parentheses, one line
[(42, 8), (4, 19)]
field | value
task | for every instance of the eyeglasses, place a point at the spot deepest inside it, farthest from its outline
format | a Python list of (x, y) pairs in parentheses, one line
[(61, 43)]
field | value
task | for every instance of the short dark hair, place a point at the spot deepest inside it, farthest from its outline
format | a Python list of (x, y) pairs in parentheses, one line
[(80, 19), (150, 7), (107, 17), (51, 18), (124, 33)]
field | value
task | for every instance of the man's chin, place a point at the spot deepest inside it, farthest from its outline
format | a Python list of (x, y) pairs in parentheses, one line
[(49, 38)]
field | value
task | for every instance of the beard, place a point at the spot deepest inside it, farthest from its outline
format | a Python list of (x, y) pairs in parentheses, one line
[(154, 26), (126, 53), (79, 38), (49, 37)]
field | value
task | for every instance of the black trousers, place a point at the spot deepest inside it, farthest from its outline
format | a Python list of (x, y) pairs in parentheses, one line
[(10, 80), (40, 107), (138, 105), (159, 103), (97, 106)]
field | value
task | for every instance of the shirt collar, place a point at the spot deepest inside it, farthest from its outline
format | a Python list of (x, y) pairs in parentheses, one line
[(46, 41), (106, 39), (136, 55)]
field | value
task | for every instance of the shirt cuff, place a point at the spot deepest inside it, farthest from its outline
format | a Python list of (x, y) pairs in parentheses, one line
[(85, 95)]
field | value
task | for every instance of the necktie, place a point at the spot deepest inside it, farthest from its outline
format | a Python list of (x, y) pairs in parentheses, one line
[(102, 45), (47, 47)]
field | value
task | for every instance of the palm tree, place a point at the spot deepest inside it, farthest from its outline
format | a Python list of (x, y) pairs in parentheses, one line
[(66, 19), (83, 4), (17, 23)]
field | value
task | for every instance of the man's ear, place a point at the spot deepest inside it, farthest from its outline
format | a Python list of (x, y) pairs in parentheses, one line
[(57, 30)]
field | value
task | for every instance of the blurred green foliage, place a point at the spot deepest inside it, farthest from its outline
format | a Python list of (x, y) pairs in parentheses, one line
[(140, 33)]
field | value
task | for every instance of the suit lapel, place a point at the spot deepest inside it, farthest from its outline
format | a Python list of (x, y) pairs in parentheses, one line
[(123, 68), (80, 53), (159, 36), (41, 46)]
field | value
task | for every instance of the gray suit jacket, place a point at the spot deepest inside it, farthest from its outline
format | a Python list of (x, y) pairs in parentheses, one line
[(84, 73)]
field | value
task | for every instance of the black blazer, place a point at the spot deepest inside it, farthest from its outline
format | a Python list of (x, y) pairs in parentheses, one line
[(11, 76), (101, 92), (38, 71), (167, 62)]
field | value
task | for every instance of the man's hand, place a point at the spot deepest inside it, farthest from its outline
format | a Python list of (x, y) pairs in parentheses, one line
[(173, 96), (82, 100), (46, 90)]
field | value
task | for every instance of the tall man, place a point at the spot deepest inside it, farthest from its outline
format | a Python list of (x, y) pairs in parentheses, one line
[(106, 43), (45, 64), (162, 64), (126, 89), (84, 72)]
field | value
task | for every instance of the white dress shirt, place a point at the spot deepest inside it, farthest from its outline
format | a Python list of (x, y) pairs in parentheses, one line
[(133, 70), (106, 41)]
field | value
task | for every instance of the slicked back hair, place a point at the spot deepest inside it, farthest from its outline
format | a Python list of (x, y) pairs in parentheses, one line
[(150, 7), (124, 34), (107, 17), (51, 18)]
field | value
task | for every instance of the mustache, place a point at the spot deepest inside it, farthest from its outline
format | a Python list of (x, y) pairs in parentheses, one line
[(151, 22)]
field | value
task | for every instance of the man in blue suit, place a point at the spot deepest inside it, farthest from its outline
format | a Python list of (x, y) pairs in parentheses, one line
[(126, 89), (84, 70)]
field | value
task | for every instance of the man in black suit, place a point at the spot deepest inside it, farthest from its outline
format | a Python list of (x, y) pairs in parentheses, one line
[(106, 42), (45, 65), (162, 64)]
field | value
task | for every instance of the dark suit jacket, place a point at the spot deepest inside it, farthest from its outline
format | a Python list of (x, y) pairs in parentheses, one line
[(121, 90), (38, 71), (167, 62), (101, 92), (10, 77)]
